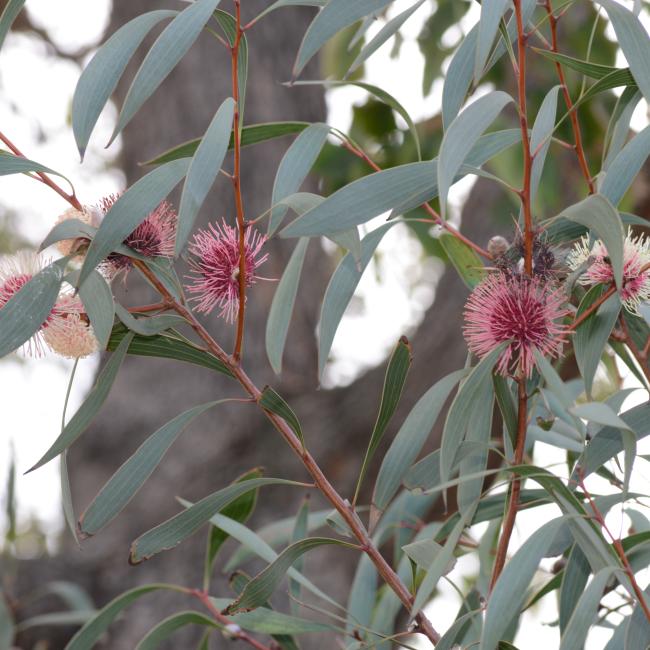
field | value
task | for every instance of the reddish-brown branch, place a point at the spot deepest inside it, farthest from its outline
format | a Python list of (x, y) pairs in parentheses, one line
[(145, 309), (618, 547), (592, 308), (236, 633), (515, 486), (236, 183), (343, 507), (435, 217), (573, 114), (44, 178), (525, 194)]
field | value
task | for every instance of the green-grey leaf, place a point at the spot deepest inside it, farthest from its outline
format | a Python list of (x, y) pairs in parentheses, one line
[(462, 408), (585, 612), (278, 4), (340, 290), (148, 325), (10, 164), (592, 335), (99, 79), (335, 16), (87, 411), (598, 214), (168, 49), (461, 136), (510, 589), (130, 210), (7, 628), (386, 32), (261, 587), (600, 413), (273, 402), (132, 475), (625, 167), (203, 170), (284, 299), (9, 14), (381, 95), (488, 26), (97, 299), (26, 311), (90, 633), (541, 137), (634, 41), (167, 627), (464, 259), (250, 135), (398, 367), (294, 167), (573, 582), (173, 531), (411, 438)]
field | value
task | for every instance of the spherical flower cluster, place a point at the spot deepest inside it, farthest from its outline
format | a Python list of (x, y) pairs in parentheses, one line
[(154, 237), (525, 313), (66, 330), (214, 281), (636, 277)]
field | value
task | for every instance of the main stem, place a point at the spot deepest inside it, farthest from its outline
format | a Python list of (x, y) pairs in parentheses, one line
[(236, 183), (515, 486), (573, 115), (528, 159)]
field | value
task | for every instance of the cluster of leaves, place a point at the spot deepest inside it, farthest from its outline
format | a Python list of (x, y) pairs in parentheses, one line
[(566, 414)]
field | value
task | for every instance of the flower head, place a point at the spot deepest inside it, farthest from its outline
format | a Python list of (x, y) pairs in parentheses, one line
[(15, 272), (154, 237), (636, 256), (214, 280), (67, 331), (90, 215), (522, 312)]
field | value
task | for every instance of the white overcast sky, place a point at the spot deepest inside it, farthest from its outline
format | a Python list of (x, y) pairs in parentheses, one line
[(36, 92)]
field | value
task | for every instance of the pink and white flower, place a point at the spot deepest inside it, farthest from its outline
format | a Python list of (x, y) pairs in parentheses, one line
[(636, 277), (68, 332), (214, 278), (526, 313)]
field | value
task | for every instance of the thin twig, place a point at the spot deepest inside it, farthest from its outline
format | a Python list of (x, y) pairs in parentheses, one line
[(592, 308), (579, 147)]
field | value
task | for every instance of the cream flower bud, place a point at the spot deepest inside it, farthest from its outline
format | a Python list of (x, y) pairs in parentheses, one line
[(90, 215), (68, 332)]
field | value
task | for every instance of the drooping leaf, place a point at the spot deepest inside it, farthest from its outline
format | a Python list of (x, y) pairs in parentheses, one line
[(461, 136), (277, 324), (7, 626), (163, 630), (203, 170), (89, 409), (488, 26), (574, 580), (625, 167), (294, 167), (340, 290), (130, 210), (278, 4), (300, 531), (97, 299), (90, 633), (598, 214), (173, 531), (10, 164), (591, 336), (398, 367), (131, 476), (251, 134), (618, 128), (9, 14), (168, 49), (335, 16), (507, 597), (588, 68), (166, 347), (540, 137), (25, 312), (148, 326), (271, 401), (99, 78), (634, 41), (410, 439), (262, 586)]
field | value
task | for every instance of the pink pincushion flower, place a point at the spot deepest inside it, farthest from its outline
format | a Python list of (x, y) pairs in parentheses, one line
[(525, 313), (154, 237), (68, 332), (636, 255), (215, 271)]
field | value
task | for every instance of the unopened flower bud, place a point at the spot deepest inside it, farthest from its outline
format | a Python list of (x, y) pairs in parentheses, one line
[(497, 246)]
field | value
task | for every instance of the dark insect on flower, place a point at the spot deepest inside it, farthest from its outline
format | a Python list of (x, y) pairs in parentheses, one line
[(154, 237), (526, 313), (215, 270), (512, 260)]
